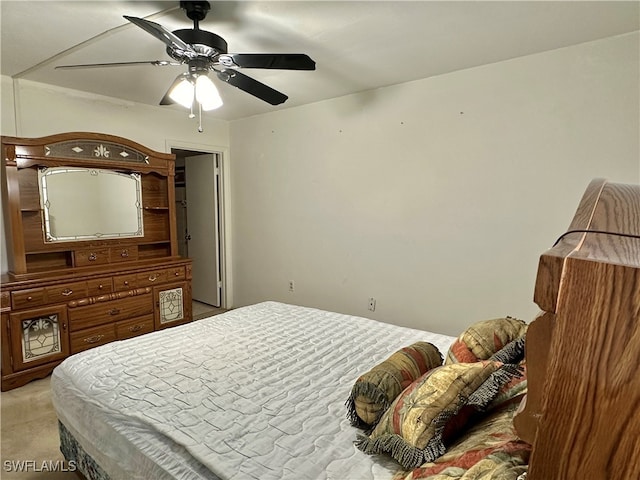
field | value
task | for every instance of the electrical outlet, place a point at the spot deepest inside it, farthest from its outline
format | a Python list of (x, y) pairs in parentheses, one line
[(292, 286), (372, 304)]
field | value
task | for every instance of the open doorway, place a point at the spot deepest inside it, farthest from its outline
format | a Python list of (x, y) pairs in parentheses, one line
[(199, 220)]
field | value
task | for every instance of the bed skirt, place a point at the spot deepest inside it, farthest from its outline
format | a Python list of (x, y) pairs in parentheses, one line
[(74, 452)]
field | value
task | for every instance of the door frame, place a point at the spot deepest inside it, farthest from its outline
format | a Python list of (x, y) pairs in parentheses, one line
[(224, 194), (202, 179)]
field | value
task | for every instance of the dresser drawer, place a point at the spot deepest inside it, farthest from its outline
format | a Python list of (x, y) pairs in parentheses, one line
[(125, 282), (92, 337), (176, 273), (66, 292), (123, 254), (150, 278), (99, 286), (28, 298), (96, 256), (109, 312), (134, 327)]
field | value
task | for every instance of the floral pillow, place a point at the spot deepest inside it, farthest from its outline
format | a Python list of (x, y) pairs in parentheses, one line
[(483, 339), (489, 450), (374, 391), (427, 414)]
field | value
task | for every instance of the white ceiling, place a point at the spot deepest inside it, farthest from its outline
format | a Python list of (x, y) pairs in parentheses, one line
[(357, 45)]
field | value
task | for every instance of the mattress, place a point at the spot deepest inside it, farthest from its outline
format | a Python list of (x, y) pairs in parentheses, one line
[(257, 392)]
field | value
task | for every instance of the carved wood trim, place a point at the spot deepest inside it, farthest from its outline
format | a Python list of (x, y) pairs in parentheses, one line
[(108, 297)]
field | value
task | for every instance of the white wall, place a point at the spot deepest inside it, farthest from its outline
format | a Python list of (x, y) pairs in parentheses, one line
[(436, 197), (45, 110), (7, 117)]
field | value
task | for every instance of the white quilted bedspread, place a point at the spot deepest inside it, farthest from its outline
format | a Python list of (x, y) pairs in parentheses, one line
[(256, 393)]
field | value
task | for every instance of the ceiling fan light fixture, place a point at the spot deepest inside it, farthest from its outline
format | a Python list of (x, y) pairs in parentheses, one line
[(183, 93), (204, 52), (207, 94)]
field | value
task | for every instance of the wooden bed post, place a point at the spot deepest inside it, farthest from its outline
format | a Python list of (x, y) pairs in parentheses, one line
[(538, 341), (584, 420), (590, 424)]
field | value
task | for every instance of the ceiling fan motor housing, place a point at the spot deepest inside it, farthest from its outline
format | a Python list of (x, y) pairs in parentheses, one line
[(200, 40)]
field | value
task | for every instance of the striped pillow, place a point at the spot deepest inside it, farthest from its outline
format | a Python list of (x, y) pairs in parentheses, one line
[(483, 339), (374, 391)]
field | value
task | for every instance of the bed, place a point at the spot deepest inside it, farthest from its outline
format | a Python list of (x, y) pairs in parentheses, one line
[(260, 392), (273, 378)]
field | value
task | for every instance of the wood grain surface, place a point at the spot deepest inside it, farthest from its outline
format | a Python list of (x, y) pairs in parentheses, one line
[(583, 410)]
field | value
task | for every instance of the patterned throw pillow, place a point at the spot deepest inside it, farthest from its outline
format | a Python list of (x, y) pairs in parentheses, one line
[(515, 388), (374, 391), (418, 424), (489, 450), (482, 339)]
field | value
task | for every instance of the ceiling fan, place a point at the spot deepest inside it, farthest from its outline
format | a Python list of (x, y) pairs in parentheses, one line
[(205, 52)]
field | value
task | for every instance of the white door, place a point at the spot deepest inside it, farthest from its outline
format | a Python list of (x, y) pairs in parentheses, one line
[(201, 175)]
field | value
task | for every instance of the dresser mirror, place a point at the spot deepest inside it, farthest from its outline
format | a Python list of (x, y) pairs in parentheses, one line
[(90, 203)]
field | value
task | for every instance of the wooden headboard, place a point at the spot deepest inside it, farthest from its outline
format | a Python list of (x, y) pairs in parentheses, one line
[(582, 411)]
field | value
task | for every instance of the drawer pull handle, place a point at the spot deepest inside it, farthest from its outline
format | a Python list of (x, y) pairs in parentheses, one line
[(67, 292), (124, 254), (177, 274), (29, 298), (114, 311), (92, 257), (153, 277), (94, 339), (100, 287), (135, 328), (126, 283)]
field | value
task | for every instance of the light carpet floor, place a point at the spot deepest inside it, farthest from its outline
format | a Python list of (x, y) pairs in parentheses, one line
[(29, 435), (201, 310)]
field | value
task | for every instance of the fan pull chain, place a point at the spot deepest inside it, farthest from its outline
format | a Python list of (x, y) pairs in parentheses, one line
[(200, 117)]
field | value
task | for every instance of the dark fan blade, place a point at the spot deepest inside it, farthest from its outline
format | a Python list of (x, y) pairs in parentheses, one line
[(284, 61), (161, 34), (252, 86), (156, 63)]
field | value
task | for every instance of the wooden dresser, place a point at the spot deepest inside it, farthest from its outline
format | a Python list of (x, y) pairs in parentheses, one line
[(583, 352), (109, 271)]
